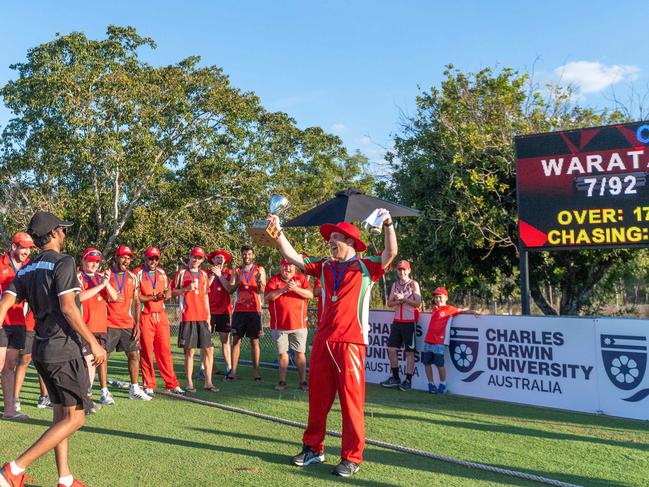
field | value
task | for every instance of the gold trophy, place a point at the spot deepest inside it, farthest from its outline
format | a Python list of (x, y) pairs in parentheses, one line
[(265, 233)]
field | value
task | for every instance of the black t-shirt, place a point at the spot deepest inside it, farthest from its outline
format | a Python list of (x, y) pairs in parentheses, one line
[(49, 275)]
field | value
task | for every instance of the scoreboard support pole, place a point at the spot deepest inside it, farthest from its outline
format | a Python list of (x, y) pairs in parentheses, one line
[(525, 280)]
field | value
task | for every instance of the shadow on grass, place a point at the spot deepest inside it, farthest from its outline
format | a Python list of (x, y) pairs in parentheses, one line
[(516, 430)]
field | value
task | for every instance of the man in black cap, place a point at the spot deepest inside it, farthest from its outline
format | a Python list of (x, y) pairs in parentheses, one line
[(49, 284)]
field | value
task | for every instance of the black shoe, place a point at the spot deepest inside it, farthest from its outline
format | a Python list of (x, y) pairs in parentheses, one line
[(391, 382), (405, 386), (307, 457), (346, 468)]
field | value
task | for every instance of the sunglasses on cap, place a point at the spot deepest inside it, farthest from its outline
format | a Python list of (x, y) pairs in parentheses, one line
[(94, 253)]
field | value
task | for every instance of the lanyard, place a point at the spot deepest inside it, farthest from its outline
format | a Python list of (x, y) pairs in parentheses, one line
[(148, 276), (338, 276), (11, 262), (247, 276), (120, 286), (195, 278), (91, 279)]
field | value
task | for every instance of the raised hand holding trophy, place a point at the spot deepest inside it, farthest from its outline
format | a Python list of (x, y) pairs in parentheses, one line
[(264, 232)]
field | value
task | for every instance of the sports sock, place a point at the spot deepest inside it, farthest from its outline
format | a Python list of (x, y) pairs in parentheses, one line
[(395, 372), (67, 480), (442, 382), (15, 469)]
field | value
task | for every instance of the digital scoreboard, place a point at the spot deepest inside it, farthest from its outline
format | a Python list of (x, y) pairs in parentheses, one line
[(584, 188)]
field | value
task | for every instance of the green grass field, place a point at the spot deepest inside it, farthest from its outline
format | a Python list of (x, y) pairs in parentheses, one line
[(167, 442)]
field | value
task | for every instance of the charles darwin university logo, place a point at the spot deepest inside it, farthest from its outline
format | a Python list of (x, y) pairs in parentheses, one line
[(625, 361), (463, 348)]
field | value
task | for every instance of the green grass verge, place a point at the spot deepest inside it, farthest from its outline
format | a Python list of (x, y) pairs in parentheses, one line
[(168, 442)]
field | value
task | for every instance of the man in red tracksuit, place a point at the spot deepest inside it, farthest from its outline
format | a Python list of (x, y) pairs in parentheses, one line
[(155, 334), (338, 355)]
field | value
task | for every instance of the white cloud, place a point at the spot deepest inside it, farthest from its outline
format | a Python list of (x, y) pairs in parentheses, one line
[(593, 77), (338, 128), (365, 140)]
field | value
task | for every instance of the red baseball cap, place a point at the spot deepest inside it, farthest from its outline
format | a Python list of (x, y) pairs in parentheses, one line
[(23, 239), (403, 264), (152, 252), (440, 290), (124, 250), (91, 254), (198, 252), (285, 261), (223, 253), (347, 229)]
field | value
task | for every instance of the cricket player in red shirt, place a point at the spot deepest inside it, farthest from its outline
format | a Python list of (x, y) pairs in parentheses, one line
[(220, 303), (124, 319), (155, 333), (338, 354), (95, 291), (13, 330), (249, 282), (287, 294), (191, 285)]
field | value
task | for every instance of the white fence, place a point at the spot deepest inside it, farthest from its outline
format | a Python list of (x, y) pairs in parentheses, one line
[(595, 365)]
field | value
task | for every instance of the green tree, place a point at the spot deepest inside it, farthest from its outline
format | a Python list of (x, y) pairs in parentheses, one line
[(455, 161), (173, 155)]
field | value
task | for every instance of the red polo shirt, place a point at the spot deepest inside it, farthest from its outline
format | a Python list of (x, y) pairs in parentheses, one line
[(150, 283), (94, 310), (247, 295), (192, 303), (436, 333), (220, 303), (119, 314), (15, 314), (288, 311)]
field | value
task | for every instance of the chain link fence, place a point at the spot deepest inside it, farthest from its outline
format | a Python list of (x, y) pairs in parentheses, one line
[(267, 346)]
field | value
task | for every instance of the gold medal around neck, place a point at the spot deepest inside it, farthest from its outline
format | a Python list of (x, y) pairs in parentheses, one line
[(334, 298), (246, 287)]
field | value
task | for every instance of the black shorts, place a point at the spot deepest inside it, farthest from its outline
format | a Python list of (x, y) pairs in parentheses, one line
[(402, 335), (120, 339), (194, 334), (221, 323), (102, 339), (13, 336), (29, 343), (246, 323), (67, 382)]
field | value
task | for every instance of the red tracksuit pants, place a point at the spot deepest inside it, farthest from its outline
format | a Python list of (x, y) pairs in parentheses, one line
[(337, 367), (155, 338)]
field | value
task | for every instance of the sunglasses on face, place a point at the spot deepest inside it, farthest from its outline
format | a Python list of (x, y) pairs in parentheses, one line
[(153, 258), (63, 229)]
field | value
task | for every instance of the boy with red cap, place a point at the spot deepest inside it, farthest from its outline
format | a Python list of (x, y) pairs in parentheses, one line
[(338, 354), (287, 294), (95, 290), (124, 319), (155, 334), (405, 298), (435, 339), (191, 284), (13, 330), (220, 304), (249, 282)]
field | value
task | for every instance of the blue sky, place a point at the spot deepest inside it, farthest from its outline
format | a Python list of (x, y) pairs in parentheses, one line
[(353, 67)]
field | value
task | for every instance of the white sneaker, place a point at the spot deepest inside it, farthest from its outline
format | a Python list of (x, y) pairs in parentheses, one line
[(149, 392), (106, 398), (138, 394), (177, 390)]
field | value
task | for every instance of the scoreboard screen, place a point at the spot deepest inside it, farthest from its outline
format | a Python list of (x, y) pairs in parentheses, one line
[(584, 188)]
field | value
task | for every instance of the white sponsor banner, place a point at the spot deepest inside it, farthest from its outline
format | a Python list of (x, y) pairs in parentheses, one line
[(579, 364)]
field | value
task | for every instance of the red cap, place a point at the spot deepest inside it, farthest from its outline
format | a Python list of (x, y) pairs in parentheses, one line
[(124, 250), (346, 229), (214, 253), (23, 239), (285, 261), (198, 252), (403, 264), (440, 290), (152, 252), (91, 254)]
